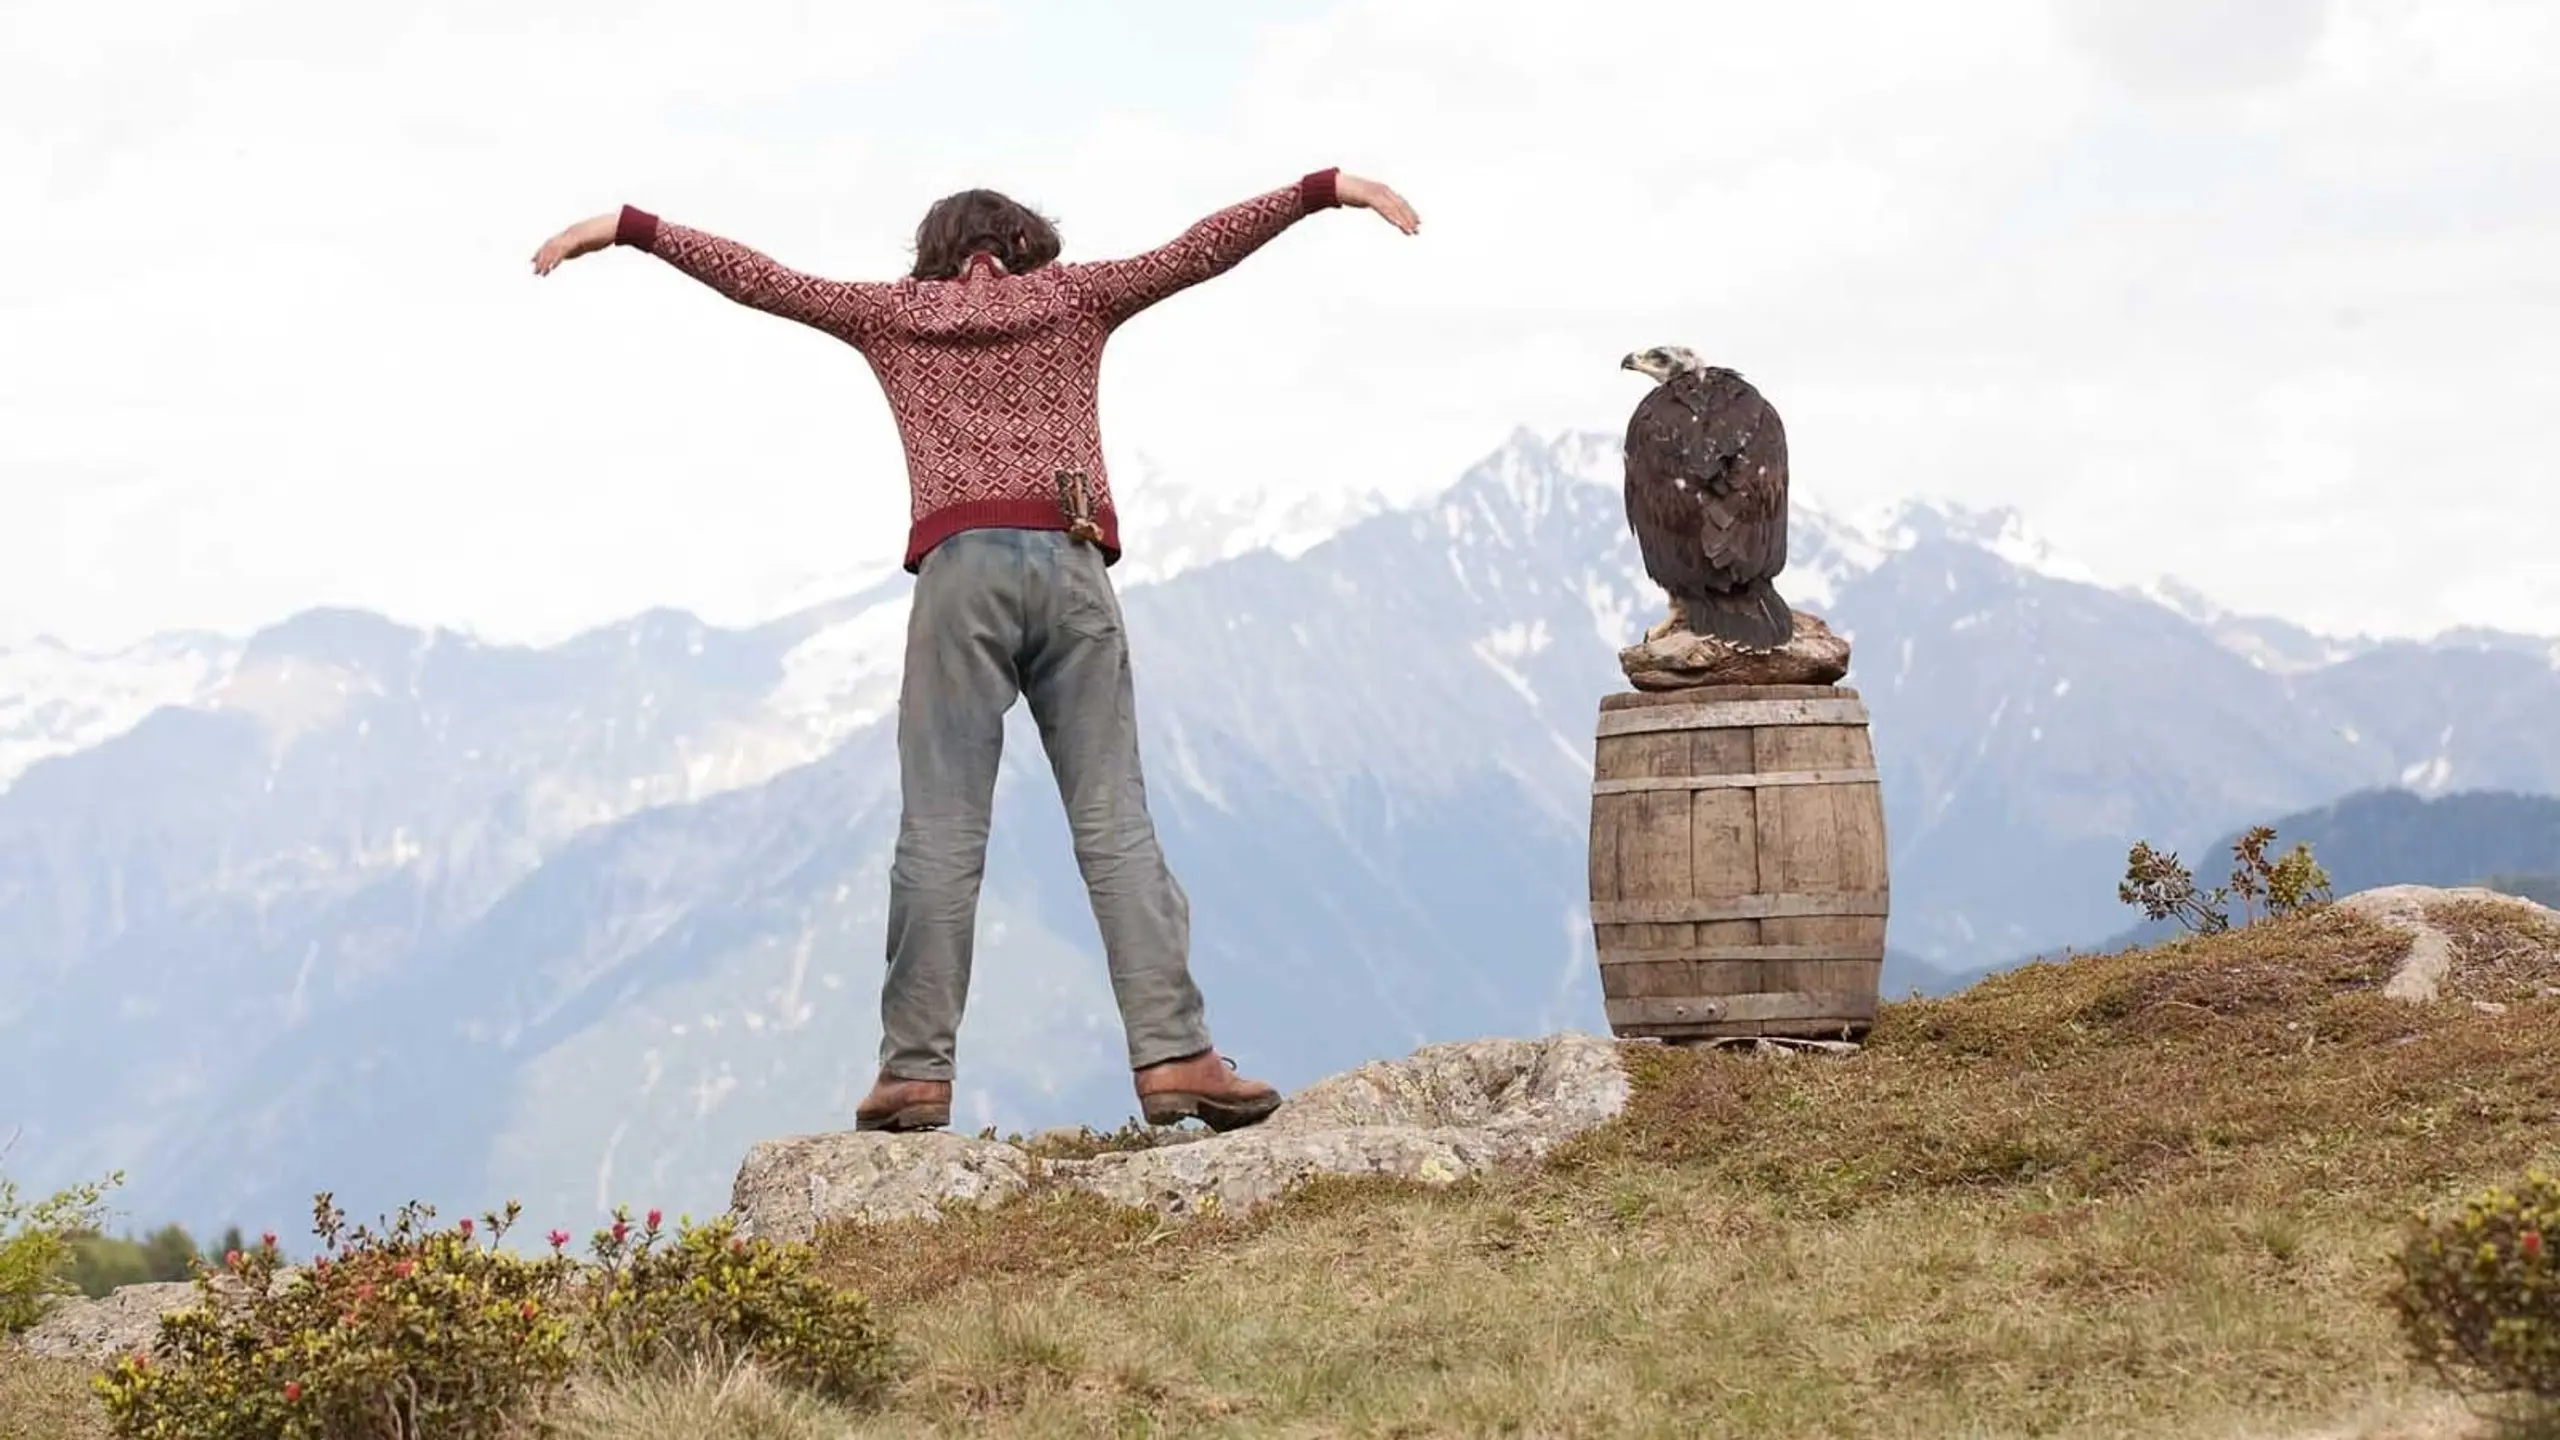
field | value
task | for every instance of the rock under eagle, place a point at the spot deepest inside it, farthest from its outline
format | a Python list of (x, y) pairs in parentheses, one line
[(1707, 499)]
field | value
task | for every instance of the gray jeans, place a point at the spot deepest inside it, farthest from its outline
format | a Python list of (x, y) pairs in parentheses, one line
[(998, 613)]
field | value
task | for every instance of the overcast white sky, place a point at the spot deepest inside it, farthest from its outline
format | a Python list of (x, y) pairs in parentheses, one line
[(2266, 296)]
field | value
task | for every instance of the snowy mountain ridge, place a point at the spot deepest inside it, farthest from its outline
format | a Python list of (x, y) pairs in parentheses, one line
[(56, 700)]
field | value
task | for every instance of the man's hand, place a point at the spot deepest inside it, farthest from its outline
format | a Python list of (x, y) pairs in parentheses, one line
[(584, 238), (1370, 195)]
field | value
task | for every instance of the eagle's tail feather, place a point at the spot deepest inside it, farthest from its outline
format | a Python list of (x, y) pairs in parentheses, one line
[(1755, 617)]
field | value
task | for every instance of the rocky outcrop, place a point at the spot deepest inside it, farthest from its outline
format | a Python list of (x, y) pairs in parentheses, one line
[(2421, 976), (1813, 655), (1445, 1112), (122, 1322)]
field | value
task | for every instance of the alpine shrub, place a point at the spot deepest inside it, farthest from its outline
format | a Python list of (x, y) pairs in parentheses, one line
[(420, 1331), (707, 1291), (414, 1332), (2479, 1291)]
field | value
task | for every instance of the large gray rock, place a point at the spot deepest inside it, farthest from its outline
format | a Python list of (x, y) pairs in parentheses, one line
[(2419, 978), (787, 1188), (1443, 1113), (123, 1322)]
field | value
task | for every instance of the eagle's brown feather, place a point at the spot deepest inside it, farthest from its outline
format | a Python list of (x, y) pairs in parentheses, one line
[(1706, 493)]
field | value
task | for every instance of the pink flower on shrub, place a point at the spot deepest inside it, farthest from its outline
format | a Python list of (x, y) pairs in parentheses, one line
[(405, 1269), (528, 1309), (268, 1240), (231, 1259), (465, 1227), (292, 1392), (621, 1229), (653, 1219), (365, 1291), (559, 1238), (2532, 1244)]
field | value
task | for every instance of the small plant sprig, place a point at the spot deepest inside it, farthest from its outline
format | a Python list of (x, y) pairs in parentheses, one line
[(1086, 1142), (2165, 889), (2294, 881)]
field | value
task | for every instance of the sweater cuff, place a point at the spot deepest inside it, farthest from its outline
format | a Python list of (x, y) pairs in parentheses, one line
[(1316, 191), (637, 228)]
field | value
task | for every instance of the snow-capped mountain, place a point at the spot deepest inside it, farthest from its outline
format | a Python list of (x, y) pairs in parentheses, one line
[(1168, 527), (55, 700), (402, 914)]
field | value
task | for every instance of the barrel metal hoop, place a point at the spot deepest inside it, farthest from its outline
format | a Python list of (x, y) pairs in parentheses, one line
[(1741, 780), (1843, 951), (1732, 715), (1782, 906)]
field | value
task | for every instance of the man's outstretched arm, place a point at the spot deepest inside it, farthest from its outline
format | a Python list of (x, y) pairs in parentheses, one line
[(1122, 288), (849, 311)]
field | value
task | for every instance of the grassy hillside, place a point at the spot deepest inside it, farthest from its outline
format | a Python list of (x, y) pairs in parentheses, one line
[(2152, 1193)]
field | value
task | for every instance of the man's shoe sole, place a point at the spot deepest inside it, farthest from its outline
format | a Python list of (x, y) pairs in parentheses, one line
[(912, 1117), (1173, 1107)]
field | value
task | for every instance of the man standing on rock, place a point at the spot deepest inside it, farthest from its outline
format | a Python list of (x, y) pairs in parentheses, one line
[(990, 353)]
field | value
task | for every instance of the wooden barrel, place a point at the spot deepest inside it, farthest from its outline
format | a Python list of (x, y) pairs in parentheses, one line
[(1737, 863)]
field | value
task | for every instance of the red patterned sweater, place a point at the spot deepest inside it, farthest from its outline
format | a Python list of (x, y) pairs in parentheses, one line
[(992, 377)]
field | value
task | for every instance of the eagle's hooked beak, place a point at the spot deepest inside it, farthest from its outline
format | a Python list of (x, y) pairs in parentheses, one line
[(1629, 363)]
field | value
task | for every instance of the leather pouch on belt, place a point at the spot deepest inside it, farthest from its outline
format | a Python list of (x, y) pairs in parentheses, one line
[(1075, 501)]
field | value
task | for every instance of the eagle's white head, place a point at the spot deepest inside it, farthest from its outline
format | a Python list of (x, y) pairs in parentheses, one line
[(1663, 361)]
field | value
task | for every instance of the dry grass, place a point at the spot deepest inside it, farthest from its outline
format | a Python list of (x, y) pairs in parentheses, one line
[(46, 1401), (2507, 957), (2153, 1193)]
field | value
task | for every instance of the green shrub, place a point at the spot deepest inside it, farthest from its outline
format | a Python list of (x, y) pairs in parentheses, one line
[(420, 1331), (37, 1248), (2165, 889), (710, 1292), (2479, 1291), (413, 1332)]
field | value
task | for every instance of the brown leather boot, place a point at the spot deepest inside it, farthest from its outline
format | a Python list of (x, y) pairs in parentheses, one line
[(1204, 1087), (900, 1104)]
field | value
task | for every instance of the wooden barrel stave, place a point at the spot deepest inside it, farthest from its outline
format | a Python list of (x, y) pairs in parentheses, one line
[(1737, 863)]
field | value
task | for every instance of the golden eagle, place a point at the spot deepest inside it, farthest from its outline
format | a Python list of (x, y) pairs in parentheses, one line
[(1707, 499)]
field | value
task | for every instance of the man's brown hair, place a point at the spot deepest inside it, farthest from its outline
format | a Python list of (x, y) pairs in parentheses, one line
[(961, 225)]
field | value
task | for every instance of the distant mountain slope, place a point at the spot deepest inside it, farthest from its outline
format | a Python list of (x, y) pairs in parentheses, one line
[(406, 915)]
